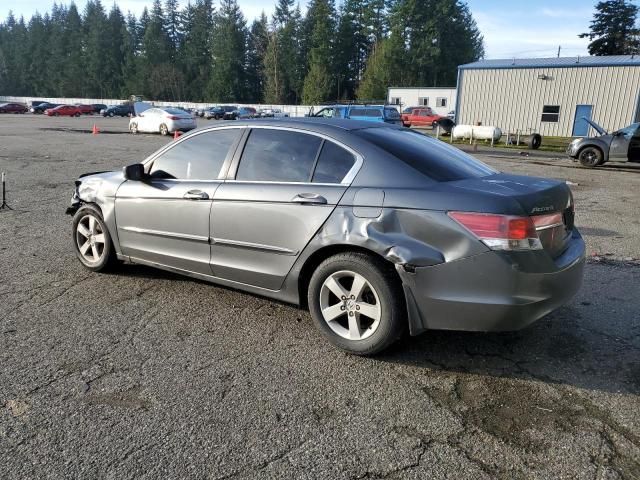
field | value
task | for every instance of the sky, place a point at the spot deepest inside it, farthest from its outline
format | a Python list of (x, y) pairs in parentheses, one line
[(511, 28)]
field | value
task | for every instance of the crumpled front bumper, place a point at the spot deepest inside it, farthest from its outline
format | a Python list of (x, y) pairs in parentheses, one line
[(491, 291)]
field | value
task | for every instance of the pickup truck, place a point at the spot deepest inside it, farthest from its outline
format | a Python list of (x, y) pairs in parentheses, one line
[(420, 117)]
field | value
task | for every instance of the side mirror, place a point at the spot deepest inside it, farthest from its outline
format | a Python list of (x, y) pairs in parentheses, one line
[(134, 172)]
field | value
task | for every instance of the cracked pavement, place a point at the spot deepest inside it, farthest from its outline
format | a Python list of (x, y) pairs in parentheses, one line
[(145, 374)]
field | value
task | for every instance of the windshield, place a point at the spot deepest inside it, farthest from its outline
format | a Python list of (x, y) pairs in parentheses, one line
[(431, 157)]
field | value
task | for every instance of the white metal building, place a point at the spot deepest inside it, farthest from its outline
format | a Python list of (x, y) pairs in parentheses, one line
[(551, 96), (441, 100)]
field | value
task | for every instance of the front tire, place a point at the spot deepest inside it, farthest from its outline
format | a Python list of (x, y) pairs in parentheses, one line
[(590, 157), (92, 241), (357, 302), (133, 128)]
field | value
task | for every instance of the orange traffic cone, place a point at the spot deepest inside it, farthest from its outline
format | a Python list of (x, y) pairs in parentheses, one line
[(95, 130), (176, 134)]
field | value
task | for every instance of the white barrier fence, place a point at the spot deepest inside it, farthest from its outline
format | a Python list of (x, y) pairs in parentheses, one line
[(292, 110)]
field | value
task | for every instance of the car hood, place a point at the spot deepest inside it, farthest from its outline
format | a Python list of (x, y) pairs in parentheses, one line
[(596, 127)]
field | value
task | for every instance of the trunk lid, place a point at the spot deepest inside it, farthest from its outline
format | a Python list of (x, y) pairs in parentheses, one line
[(539, 198)]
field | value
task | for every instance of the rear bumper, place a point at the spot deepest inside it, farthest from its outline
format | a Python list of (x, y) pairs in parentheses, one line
[(490, 291)]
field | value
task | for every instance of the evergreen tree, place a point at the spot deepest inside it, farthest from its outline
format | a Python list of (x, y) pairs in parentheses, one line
[(257, 43), (95, 50), (195, 49), (319, 79), (613, 29), (227, 82)]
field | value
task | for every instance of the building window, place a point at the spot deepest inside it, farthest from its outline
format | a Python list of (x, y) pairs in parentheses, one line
[(550, 113), (423, 101), (395, 100), (441, 102)]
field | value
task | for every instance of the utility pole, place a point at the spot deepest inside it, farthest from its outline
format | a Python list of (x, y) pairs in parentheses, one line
[(559, 48)]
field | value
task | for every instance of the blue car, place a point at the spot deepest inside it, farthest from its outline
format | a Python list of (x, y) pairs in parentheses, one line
[(369, 113)]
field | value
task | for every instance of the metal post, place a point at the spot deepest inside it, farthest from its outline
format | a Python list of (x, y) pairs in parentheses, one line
[(518, 137), (471, 136), (438, 132), (4, 194)]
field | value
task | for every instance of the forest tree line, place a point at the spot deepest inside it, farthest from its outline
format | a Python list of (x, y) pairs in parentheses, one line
[(207, 52)]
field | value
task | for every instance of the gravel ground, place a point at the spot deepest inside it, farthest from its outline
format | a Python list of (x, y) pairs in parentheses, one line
[(144, 374)]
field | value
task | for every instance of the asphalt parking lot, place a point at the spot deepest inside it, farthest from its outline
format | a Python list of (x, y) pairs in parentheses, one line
[(144, 374)]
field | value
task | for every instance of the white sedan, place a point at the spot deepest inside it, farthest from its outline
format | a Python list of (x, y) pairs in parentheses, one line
[(163, 120)]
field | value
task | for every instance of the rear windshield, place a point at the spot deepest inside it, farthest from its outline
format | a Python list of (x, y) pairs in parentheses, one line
[(431, 157), (175, 111)]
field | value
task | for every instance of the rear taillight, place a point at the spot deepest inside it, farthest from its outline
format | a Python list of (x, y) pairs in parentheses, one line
[(500, 232), (173, 117)]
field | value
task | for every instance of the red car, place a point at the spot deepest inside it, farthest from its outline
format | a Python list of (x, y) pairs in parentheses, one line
[(62, 110), (12, 108), (420, 117), (85, 109)]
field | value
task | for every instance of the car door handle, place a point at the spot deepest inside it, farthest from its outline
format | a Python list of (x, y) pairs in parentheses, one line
[(196, 195), (309, 198)]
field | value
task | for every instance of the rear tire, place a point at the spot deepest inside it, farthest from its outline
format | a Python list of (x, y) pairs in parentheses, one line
[(164, 130), (590, 157), (347, 285), (111, 114)]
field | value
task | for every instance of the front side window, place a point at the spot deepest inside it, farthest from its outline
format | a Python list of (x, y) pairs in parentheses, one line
[(278, 156), (628, 132), (325, 112), (333, 164), (196, 158)]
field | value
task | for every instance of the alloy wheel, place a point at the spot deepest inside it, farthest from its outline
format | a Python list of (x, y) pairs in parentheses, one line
[(350, 305), (90, 239)]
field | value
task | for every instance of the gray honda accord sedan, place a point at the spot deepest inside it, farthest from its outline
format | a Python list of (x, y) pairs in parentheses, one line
[(376, 229)]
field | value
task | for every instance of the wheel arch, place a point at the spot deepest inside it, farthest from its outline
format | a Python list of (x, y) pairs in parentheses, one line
[(320, 255), (603, 151)]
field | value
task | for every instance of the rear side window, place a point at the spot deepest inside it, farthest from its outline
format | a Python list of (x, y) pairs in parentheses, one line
[(197, 158), (391, 113), (333, 164), (365, 112), (433, 158), (278, 156)]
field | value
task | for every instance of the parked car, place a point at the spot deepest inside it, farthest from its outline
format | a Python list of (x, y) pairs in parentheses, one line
[(41, 107), (162, 120), (451, 115), (98, 107), (376, 228), (63, 111), (122, 110), (271, 113), (213, 112), (229, 112), (245, 113), (85, 109), (620, 146), (369, 113), (420, 117), (13, 108)]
